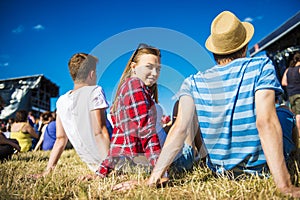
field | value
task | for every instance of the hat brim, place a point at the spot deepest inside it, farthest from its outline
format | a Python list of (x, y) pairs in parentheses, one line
[(249, 34)]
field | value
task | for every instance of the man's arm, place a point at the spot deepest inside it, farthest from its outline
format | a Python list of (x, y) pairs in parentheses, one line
[(270, 134), (175, 138), (98, 118)]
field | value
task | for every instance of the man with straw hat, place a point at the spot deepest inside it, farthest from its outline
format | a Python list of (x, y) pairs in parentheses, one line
[(234, 103)]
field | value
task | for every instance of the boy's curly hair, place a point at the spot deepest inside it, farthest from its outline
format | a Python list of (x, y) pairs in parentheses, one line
[(80, 64)]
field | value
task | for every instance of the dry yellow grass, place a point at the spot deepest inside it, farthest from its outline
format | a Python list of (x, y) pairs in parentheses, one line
[(63, 183)]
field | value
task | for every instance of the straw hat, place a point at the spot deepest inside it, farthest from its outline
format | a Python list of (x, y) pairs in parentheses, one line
[(228, 34)]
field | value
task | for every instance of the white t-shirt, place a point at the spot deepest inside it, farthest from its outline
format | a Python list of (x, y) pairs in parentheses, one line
[(74, 110)]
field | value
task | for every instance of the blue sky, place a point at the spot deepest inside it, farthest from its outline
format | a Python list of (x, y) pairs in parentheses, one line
[(39, 37)]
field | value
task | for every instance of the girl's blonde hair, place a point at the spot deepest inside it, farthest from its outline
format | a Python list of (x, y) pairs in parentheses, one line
[(135, 57)]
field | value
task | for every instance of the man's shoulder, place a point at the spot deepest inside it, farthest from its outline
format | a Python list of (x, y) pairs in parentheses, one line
[(259, 60)]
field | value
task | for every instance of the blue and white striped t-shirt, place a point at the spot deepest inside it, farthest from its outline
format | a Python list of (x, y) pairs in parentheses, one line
[(225, 104)]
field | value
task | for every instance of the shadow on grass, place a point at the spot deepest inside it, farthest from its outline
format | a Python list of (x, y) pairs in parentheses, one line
[(29, 157)]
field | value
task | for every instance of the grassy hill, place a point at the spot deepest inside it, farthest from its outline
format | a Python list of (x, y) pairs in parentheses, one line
[(63, 183)]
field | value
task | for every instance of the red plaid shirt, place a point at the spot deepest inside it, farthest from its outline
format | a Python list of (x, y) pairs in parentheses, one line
[(134, 126)]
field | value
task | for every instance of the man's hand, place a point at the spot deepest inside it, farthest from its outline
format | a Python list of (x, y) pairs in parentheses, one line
[(291, 191), (162, 182)]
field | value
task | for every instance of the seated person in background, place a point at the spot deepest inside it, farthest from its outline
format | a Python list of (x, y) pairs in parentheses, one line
[(160, 130), (80, 116), (290, 131), (46, 119), (174, 115), (50, 134), (9, 123), (37, 126), (22, 131), (7, 146), (291, 79), (31, 118)]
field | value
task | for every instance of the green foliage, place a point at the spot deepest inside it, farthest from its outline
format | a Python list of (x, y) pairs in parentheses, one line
[(63, 183)]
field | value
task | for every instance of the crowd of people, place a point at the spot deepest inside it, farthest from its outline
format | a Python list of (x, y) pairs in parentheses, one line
[(227, 116), (29, 132)]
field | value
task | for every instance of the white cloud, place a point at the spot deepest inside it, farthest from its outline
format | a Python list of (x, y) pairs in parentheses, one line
[(39, 27), (18, 30), (6, 64), (248, 19)]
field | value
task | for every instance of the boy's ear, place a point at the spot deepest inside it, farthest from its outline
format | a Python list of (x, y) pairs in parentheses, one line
[(91, 73)]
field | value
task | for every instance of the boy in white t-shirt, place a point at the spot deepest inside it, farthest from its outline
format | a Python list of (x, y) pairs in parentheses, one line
[(81, 116)]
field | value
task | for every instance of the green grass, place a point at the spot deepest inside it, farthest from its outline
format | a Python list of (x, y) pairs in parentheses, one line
[(15, 183)]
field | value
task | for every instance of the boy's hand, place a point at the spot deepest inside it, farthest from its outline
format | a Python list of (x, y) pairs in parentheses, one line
[(43, 174), (37, 176)]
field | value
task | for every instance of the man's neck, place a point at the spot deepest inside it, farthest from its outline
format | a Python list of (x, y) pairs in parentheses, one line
[(224, 62), (79, 85)]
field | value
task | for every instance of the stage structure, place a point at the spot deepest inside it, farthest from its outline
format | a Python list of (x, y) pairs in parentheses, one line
[(281, 44), (31, 93)]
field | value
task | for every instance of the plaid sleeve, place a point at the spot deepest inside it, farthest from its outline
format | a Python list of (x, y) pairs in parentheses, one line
[(105, 167)]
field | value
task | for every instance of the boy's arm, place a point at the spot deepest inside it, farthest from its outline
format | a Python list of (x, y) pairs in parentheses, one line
[(175, 138), (58, 148), (270, 134), (98, 117)]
